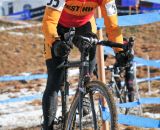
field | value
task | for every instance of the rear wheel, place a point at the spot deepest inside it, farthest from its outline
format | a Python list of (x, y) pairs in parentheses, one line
[(98, 95), (123, 98), (120, 96)]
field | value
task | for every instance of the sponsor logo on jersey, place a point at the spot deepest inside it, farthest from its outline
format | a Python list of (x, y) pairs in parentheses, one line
[(79, 8)]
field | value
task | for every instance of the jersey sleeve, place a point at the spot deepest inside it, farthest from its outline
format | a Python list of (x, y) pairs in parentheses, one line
[(109, 13), (50, 20)]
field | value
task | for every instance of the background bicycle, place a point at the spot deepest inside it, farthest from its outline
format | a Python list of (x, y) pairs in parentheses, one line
[(121, 79)]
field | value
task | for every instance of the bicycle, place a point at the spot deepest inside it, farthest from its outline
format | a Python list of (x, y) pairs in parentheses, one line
[(117, 82), (97, 92), (118, 88)]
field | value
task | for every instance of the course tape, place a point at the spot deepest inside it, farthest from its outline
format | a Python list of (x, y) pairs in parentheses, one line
[(127, 20), (151, 100), (19, 78), (44, 76), (132, 120), (152, 1), (138, 65), (144, 9), (148, 79), (72, 72), (133, 20), (147, 62)]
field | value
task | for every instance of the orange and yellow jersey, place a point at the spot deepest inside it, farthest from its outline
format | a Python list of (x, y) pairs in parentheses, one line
[(75, 13)]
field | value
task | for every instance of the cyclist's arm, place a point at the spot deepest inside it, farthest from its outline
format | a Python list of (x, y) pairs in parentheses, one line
[(109, 13), (50, 20)]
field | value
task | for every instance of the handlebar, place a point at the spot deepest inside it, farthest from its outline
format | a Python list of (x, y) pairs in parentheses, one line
[(90, 41), (111, 44)]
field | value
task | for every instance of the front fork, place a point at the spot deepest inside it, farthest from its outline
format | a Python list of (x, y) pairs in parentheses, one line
[(84, 79)]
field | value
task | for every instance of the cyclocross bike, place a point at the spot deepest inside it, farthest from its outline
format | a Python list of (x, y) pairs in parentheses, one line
[(117, 82), (101, 102)]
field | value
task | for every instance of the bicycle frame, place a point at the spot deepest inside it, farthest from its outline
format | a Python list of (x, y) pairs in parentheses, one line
[(115, 85), (84, 77)]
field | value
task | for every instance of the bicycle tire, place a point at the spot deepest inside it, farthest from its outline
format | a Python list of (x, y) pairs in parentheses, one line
[(120, 96), (124, 99), (94, 88)]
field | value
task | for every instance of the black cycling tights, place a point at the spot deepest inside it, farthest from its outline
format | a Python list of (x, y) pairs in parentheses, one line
[(49, 101), (55, 78)]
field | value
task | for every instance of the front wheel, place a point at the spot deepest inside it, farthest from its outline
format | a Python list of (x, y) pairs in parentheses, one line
[(101, 108)]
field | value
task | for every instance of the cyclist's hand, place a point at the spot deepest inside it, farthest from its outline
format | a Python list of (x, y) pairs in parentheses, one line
[(124, 58), (86, 40), (60, 49), (93, 37), (129, 43)]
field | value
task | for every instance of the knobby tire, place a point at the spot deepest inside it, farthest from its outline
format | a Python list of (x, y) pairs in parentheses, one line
[(94, 88)]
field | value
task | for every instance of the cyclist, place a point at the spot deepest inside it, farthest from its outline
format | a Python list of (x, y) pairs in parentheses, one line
[(60, 15)]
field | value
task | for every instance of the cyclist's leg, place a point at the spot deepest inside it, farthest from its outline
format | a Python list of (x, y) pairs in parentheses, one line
[(129, 79), (54, 81), (49, 101)]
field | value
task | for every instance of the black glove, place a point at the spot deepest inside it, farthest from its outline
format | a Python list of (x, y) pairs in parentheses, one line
[(60, 49), (129, 43), (124, 58), (87, 40)]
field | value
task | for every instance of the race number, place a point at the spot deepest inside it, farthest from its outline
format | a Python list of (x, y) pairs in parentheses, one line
[(111, 8), (56, 4)]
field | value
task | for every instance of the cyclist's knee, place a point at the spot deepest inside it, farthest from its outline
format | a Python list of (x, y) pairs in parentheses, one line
[(55, 75)]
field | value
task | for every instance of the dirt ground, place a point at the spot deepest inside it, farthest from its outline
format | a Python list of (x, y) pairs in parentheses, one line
[(21, 50)]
